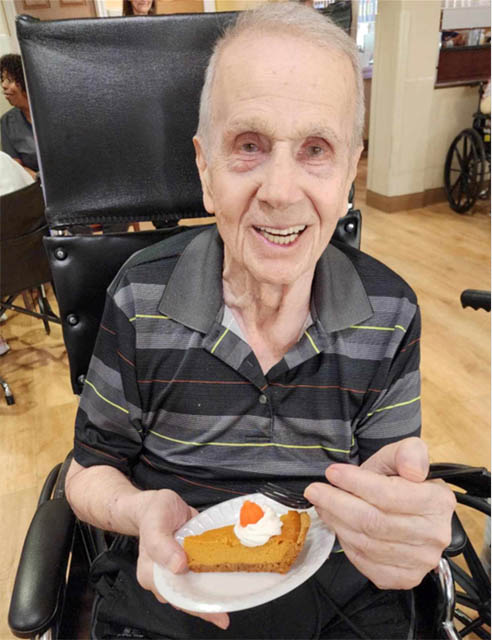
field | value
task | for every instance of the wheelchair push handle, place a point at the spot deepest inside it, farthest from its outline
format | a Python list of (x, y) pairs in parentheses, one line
[(475, 298)]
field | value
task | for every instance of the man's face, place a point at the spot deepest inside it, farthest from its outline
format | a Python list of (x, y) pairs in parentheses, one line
[(280, 162), (12, 91)]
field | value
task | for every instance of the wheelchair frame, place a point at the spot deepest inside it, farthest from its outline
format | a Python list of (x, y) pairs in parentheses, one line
[(467, 164)]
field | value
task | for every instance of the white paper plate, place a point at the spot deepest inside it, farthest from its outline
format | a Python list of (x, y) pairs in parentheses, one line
[(213, 592)]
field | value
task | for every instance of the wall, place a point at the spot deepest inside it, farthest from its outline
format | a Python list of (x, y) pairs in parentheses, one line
[(114, 7), (452, 110), (405, 58), (238, 5), (57, 9), (8, 42), (412, 124), (179, 6)]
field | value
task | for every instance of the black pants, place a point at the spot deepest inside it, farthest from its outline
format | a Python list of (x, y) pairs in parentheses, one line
[(336, 603)]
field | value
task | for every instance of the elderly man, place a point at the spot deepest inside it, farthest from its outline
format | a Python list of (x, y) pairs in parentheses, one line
[(258, 350)]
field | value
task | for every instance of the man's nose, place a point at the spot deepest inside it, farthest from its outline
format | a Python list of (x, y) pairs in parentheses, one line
[(280, 186)]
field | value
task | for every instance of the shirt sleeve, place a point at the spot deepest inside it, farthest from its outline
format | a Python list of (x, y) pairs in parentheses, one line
[(5, 138), (392, 407), (108, 427)]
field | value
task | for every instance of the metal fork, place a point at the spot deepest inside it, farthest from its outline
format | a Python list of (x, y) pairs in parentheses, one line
[(287, 497), (445, 471)]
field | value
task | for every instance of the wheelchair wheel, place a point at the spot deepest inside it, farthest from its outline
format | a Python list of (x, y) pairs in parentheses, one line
[(464, 170)]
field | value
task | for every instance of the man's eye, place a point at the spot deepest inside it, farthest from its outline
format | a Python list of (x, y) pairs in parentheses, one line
[(249, 147), (314, 150)]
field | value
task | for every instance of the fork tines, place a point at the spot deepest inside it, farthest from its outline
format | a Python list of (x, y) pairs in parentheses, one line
[(287, 497)]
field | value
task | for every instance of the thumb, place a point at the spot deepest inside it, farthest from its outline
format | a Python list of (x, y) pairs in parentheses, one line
[(407, 458), (164, 515)]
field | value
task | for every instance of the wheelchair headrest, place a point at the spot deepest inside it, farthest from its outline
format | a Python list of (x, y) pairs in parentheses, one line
[(115, 106)]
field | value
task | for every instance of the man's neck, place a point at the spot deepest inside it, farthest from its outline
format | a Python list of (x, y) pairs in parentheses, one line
[(271, 316)]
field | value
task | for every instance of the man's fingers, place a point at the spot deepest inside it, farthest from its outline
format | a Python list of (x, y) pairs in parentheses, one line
[(391, 494), (145, 574), (392, 545), (408, 458), (219, 619), (157, 533), (338, 508), (145, 577), (385, 576), (163, 549)]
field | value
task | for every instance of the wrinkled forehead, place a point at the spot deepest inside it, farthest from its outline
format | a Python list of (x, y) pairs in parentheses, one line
[(283, 68)]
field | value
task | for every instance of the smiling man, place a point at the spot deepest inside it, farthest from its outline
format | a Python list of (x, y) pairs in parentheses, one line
[(258, 350), (276, 173)]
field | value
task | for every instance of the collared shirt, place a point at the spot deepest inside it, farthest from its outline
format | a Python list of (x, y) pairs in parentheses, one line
[(18, 138), (174, 398)]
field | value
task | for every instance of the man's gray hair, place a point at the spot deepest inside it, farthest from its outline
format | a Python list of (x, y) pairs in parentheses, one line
[(285, 18)]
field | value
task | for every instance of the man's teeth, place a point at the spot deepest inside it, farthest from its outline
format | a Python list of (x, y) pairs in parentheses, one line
[(281, 236)]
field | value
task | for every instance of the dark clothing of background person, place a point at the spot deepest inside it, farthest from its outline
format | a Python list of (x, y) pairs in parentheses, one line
[(18, 139)]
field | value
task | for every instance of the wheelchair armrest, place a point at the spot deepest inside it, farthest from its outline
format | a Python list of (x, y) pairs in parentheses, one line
[(40, 578), (458, 538)]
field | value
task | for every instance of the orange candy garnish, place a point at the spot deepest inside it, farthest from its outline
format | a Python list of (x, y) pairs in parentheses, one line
[(250, 513)]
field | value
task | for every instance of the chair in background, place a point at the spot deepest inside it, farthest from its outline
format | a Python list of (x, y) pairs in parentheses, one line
[(122, 153), (24, 266)]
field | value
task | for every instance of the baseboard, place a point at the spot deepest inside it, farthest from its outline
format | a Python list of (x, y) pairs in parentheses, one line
[(431, 196), (391, 204)]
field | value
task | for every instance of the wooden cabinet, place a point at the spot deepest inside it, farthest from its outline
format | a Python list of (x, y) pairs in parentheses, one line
[(463, 65)]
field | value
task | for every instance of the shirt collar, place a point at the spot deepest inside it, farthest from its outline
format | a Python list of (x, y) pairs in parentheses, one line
[(193, 295)]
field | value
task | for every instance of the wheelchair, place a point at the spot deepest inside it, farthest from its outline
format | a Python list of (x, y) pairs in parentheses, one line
[(24, 266), (98, 182), (467, 165)]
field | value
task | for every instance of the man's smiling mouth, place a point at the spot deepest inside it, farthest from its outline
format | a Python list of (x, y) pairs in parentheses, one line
[(281, 236)]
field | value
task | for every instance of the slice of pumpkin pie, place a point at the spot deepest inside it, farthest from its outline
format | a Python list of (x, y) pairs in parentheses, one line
[(260, 541)]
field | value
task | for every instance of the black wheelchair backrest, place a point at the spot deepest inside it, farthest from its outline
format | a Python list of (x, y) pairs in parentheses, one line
[(115, 107)]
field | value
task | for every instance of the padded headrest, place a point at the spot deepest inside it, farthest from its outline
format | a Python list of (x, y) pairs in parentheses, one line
[(115, 106)]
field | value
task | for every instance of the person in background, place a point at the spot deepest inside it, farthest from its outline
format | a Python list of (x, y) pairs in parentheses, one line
[(485, 100), (139, 7), (17, 136), (12, 178)]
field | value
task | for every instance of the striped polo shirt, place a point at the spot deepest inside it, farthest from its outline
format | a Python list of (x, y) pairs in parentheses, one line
[(175, 398)]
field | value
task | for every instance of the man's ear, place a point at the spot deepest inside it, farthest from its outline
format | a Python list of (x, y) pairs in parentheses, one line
[(354, 162), (201, 163)]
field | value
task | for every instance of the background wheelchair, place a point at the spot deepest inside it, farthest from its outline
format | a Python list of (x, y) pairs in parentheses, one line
[(117, 138), (24, 266), (467, 165)]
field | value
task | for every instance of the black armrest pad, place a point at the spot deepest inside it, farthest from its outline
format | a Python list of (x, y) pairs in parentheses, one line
[(42, 568), (458, 538)]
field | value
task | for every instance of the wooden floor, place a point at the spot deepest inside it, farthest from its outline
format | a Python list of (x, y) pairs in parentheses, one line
[(439, 252)]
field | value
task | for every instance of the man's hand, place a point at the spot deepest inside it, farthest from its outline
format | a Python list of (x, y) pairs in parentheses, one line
[(160, 514), (392, 524)]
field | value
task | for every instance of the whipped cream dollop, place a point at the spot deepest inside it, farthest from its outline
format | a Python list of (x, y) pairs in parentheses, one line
[(254, 535)]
